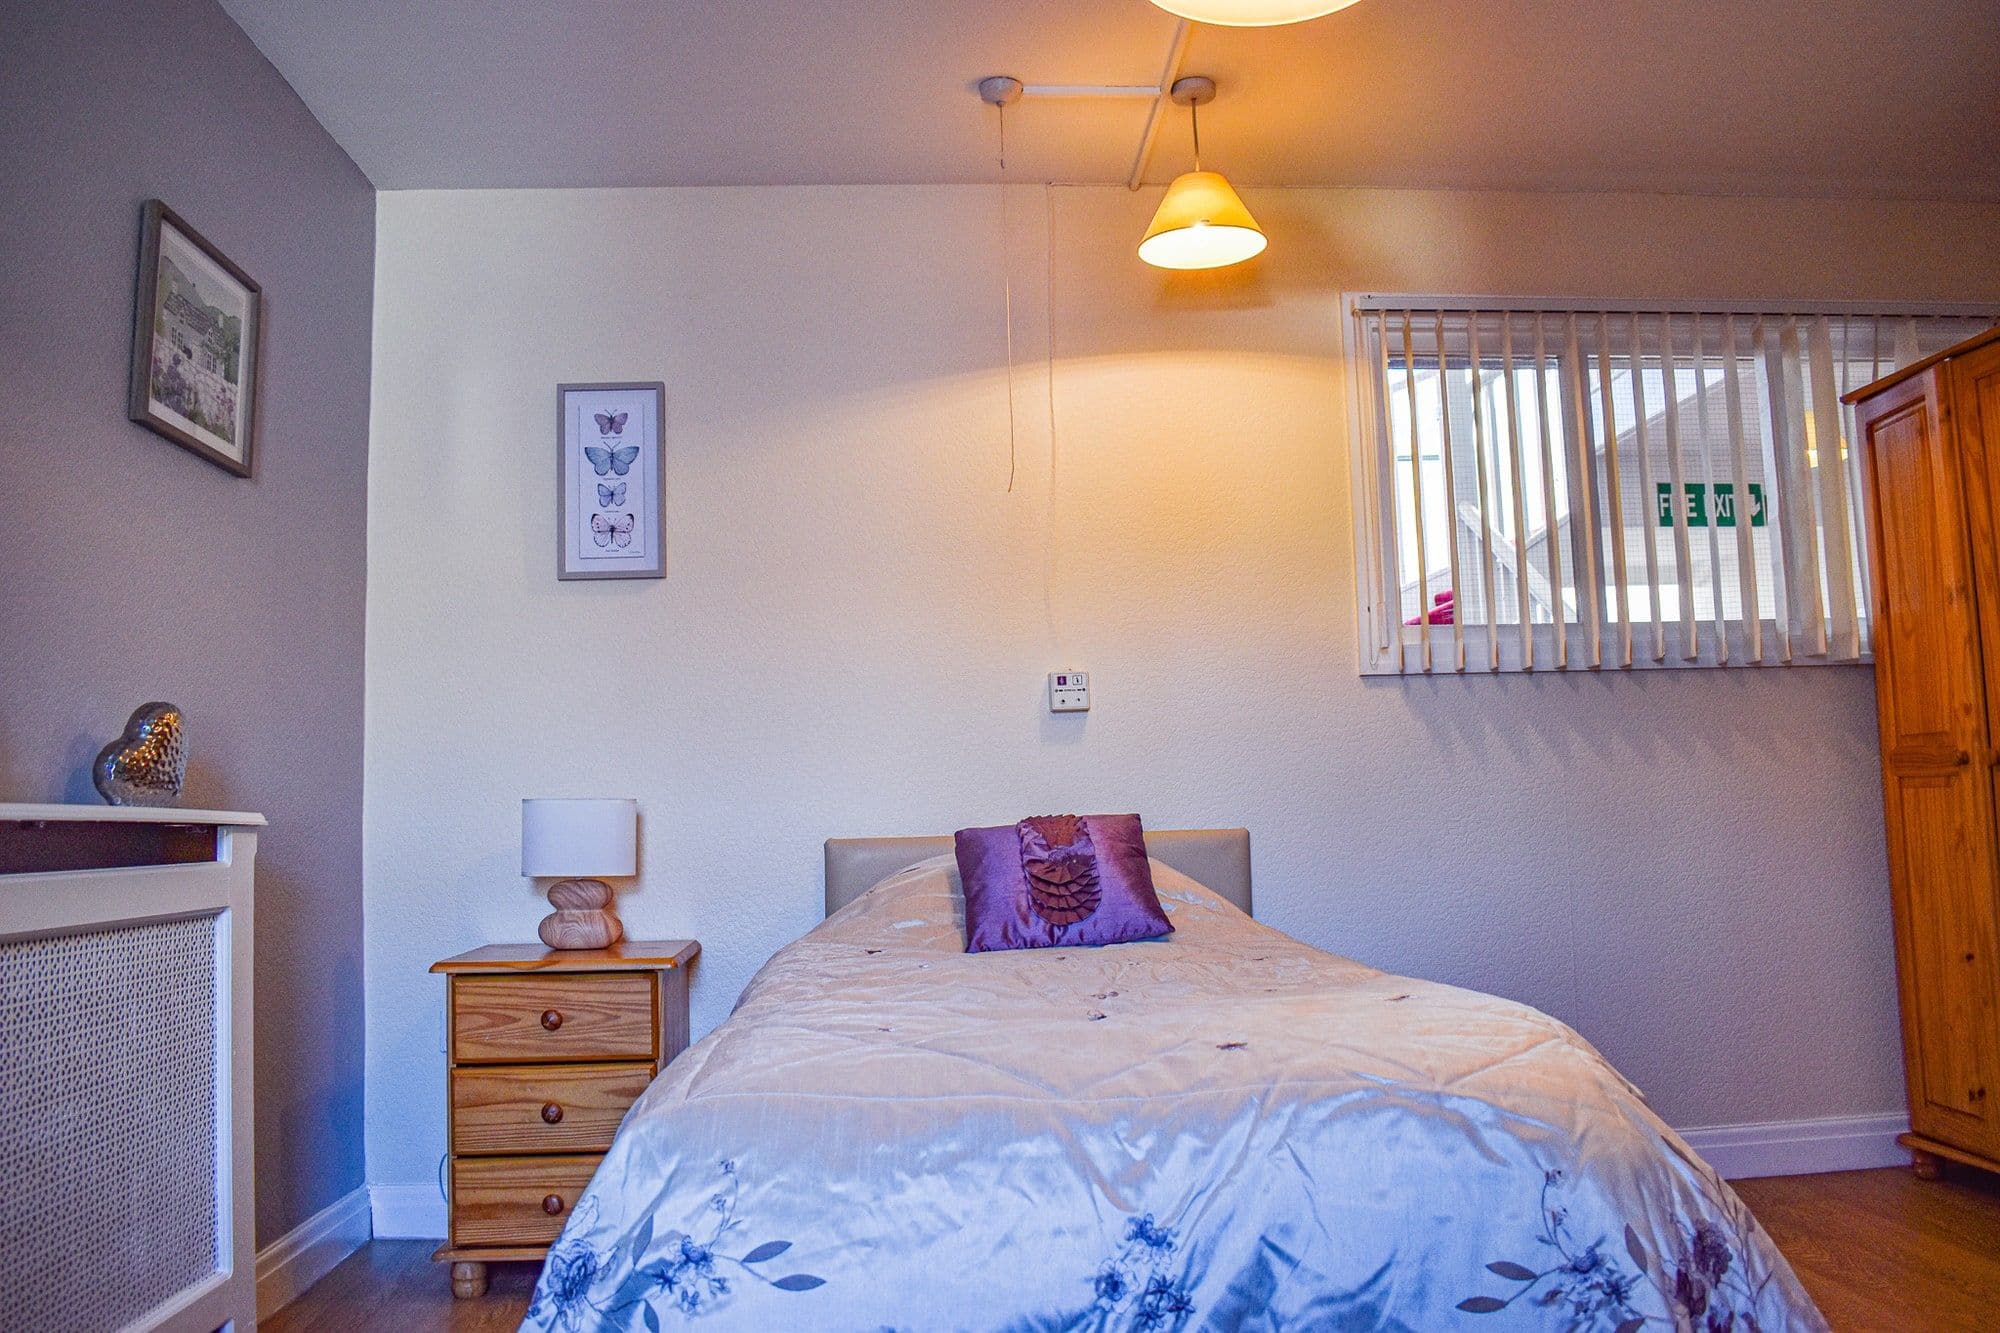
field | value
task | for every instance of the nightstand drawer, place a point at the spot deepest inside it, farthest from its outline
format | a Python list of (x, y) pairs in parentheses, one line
[(515, 1200), (574, 1016), (541, 1108), (549, 1049)]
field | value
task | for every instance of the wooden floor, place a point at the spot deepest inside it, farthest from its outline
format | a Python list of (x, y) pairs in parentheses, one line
[(1884, 1250), (1879, 1250), (393, 1285)]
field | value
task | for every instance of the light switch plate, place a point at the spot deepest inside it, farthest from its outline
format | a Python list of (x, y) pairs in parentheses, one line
[(1069, 692)]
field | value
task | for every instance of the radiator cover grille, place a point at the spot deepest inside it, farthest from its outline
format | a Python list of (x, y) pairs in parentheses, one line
[(108, 1121)]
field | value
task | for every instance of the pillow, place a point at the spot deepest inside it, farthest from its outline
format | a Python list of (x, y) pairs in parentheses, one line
[(1058, 879)]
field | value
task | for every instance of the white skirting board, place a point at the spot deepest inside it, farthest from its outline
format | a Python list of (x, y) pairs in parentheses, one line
[(408, 1212), (1737, 1152), (311, 1250), (1802, 1147)]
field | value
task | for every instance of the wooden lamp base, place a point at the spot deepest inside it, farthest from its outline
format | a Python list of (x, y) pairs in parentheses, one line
[(582, 919)]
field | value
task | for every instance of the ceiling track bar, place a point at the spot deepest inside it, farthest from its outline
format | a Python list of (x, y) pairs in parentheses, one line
[(1176, 56), (1089, 90)]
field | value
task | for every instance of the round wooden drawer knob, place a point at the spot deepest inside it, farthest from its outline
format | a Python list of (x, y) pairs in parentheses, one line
[(551, 1019), (552, 1205), (551, 1113)]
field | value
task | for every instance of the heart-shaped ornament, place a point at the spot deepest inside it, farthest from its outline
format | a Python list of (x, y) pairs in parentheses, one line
[(146, 765)]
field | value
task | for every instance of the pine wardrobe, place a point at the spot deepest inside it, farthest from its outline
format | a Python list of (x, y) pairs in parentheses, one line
[(1931, 440)]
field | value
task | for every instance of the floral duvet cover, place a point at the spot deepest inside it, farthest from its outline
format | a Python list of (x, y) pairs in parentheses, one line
[(1223, 1129)]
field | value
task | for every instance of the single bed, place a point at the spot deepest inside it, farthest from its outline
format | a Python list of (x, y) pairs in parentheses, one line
[(1224, 1128)]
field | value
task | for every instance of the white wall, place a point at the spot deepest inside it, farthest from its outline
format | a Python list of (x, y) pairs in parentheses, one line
[(858, 615)]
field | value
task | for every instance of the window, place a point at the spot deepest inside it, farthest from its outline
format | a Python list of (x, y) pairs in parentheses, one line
[(1548, 488)]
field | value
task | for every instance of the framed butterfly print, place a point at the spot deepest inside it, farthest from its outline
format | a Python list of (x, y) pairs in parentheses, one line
[(610, 501)]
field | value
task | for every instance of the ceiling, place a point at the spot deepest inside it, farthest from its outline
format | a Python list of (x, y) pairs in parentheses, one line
[(1817, 97)]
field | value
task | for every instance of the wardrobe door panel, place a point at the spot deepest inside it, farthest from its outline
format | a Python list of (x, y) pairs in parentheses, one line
[(1936, 774), (1946, 951), (1971, 418)]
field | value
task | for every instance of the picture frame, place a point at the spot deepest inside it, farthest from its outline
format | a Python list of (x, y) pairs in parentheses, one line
[(196, 317), (610, 481)]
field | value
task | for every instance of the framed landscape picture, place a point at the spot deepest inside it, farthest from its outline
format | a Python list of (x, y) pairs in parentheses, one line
[(194, 343), (610, 501)]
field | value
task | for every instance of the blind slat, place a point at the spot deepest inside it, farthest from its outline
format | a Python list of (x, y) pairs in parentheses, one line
[(1479, 438), (1746, 503), (1552, 532), (1801, 527), (1450, 508), (1857, 486), (1614, 490), (1836, 530), (1907, 342), (1417, 494), (1582, 506), (1523, 614), (1646, 491), (1772, 430), (1683, 551), (1388, 613), (1710, 478)]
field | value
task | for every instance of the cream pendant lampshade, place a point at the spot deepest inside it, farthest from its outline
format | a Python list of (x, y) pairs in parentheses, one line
[(1202, 222), (1252, 13)]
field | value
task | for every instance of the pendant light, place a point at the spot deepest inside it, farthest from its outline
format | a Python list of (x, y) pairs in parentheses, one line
[(1202, 222), (1252, 13)]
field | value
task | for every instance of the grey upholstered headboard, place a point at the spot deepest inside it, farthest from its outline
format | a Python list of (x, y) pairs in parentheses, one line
[(1218, 858)]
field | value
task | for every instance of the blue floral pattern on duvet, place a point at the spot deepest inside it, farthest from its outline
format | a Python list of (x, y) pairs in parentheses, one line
[(679, 1273), (1708, 1285), (1140, 1283)]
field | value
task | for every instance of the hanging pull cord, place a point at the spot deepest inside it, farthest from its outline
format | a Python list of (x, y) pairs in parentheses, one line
[(1007, 295), (1049, 500)]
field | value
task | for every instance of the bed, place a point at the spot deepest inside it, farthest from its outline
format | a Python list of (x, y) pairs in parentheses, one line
[(1221, 1129)]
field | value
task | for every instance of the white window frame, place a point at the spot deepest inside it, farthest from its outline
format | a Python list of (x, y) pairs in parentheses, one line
[(1373, 584)]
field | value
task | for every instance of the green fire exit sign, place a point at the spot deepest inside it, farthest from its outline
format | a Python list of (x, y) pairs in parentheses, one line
[(1703, 500)]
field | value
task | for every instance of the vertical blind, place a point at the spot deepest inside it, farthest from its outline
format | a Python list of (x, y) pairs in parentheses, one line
[(1571, 489)]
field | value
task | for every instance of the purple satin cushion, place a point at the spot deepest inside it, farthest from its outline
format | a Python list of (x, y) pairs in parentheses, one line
[(1061, 879)]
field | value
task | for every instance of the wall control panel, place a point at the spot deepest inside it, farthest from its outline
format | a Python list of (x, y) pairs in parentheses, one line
[(1069, 692)]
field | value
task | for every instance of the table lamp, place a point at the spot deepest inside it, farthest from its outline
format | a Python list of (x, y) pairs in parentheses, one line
[(577, 840)]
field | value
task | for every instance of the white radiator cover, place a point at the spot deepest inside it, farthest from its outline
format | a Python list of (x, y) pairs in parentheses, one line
[(126, 1078)]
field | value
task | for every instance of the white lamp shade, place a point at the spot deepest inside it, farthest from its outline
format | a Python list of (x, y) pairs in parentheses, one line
[(1252, 13), (563, 837), (1201, 223)]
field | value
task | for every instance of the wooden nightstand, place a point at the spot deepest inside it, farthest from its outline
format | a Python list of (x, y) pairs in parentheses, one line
[(548, 1049)]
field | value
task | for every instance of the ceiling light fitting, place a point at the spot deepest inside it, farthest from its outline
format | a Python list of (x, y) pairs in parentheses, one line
[(1000, 90), (1202, 222), (1251, 13)]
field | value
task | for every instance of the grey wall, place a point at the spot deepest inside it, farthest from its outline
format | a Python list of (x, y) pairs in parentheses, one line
[(132, 570)]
